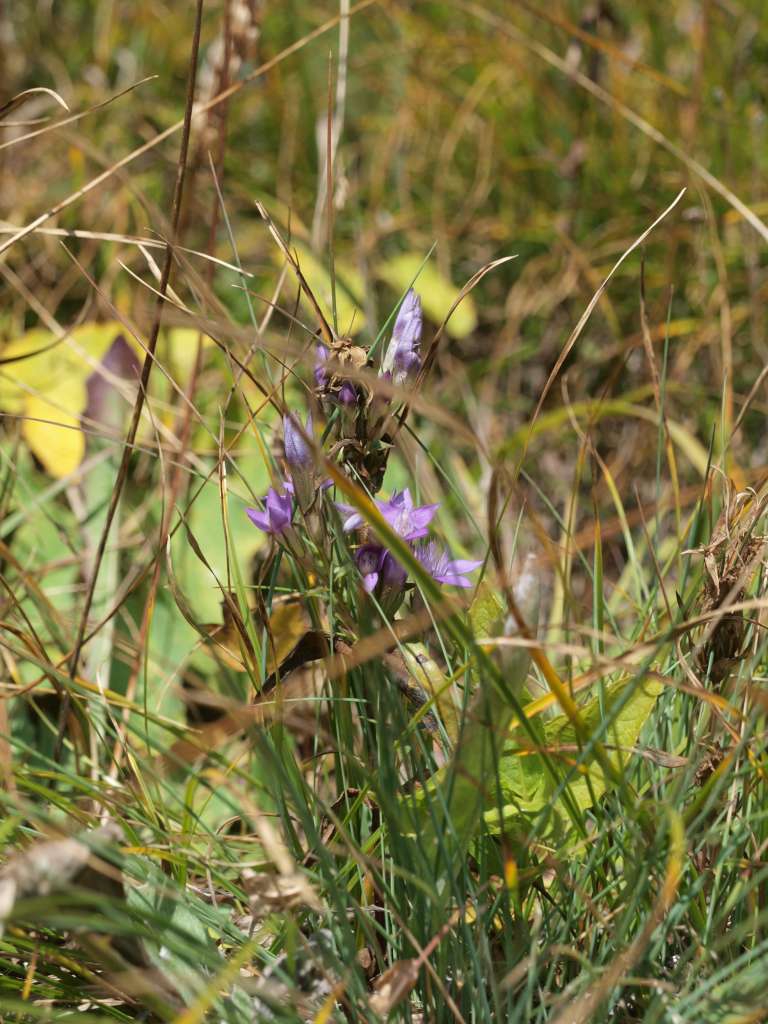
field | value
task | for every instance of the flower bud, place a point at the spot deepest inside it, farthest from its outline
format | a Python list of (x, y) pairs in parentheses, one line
[(300, 458), (403, 358)]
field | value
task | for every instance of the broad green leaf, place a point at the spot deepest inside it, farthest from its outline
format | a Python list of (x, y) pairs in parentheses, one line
[(171, 641), (436, 292), (527, 786), (446, 813), (42, 542), (196, 581), (486, 613)]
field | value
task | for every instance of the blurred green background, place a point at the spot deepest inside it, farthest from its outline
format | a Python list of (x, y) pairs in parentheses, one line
[(467, 126), (465, 132)]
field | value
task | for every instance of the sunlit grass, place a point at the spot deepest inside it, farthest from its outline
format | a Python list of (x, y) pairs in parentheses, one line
[(264, 793)]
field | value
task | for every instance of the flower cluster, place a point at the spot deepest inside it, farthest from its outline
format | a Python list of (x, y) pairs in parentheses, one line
[(365, 452), (380, 569), (401, 363), (362, 418)]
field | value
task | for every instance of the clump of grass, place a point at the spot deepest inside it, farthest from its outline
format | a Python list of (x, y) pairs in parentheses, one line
[(463, 720)]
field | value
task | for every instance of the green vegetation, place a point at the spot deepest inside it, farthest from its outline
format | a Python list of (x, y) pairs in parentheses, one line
[(469, 724)]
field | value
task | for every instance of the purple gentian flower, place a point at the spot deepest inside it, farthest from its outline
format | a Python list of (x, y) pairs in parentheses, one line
[(278, 511), (298, 451), (347, 393), (321, 358), (442, 568), (300, 459), (392, 575), (369, 560), (403, 358), (407, 520), (383, 573)]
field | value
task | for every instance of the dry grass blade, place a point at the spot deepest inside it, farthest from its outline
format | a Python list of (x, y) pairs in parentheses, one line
[(162, 136), (75, 117), (576, 332), (329, 335), (21, 97)]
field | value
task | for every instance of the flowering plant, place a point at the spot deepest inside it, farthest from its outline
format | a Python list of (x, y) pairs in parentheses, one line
[(360, 434)]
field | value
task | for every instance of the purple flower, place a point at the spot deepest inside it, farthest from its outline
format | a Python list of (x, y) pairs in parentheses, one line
[(298, 452), (392, 575), (443, 569), (381, 571), (278, 511), (321, 358), (403, 358), (407, 520), (369, 558), (347, 393)]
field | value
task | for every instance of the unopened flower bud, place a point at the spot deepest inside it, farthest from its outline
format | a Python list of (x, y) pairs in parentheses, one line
[(403, 358), (300, 458)]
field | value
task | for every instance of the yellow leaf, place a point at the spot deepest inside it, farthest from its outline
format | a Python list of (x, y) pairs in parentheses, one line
[(37, 362), (288, 623), (436, 292), (182, 349), (87, 344), (52, 427), (23, 372), (44, 379)]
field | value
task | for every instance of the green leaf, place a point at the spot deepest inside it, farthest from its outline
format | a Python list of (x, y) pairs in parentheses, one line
[(486, 613), (43, 542), (205, 523), (436, 292), (171, 640), (526, 784), (446, 813)]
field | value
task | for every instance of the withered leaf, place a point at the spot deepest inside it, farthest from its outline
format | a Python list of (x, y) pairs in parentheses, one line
[(50, 865), (296, 692), (269, 892), (394, 985)]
